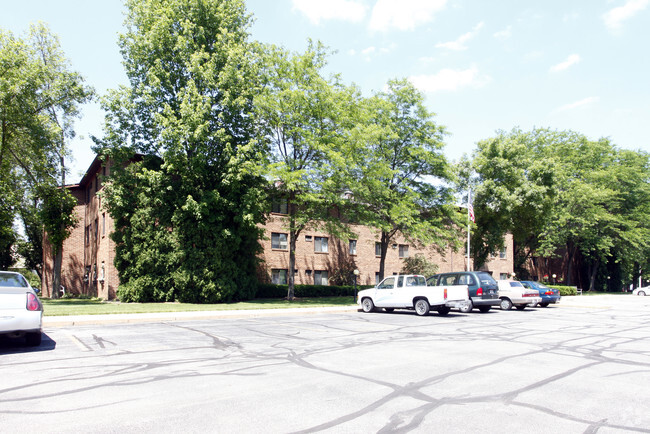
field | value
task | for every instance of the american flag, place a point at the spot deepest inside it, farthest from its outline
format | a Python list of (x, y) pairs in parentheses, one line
[(470, 212)]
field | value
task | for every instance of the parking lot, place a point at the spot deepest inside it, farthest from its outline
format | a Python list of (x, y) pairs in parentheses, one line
[(581, 366)]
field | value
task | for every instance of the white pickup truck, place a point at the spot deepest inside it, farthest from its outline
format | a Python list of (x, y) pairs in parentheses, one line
[(410, 291)]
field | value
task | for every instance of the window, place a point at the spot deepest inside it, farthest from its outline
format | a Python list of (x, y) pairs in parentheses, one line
[(320, 244), (449, 279), (403, 251), (503, 276), (320, 277), (87, 235), (465, 279), (388, 283), (400, 281), (279, 277), (377, 278), (377, 249), (279, 241), (279, 206), (308, 238), (353, 247), (103, 224), (502, 253), (96, 229)]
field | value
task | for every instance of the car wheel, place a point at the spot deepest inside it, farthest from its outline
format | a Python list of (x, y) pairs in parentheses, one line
[(466, 308), (389, 309), (422, 307), (443, 311), (367, 305), (506, 304), (544, 304), (33, 339), (484, 309), (641, 293), (521, 307)]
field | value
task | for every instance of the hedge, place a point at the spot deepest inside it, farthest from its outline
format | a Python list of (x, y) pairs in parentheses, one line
[(280, 291), (565, 290)]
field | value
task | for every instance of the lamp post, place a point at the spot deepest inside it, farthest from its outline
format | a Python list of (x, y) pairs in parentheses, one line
[(554, 276), (356, 273)]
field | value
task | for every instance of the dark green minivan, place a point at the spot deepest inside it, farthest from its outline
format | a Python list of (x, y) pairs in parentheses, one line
[(483, 289)]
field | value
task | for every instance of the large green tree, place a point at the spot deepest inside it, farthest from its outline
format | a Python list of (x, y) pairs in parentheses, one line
[(39, 100), (186, 216), (559, 191), (306, 120), (403, 180)]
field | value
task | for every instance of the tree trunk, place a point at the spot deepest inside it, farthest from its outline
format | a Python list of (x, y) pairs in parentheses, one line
[(570, 255), (385, 238), (56, 272), (592, 274), (293, 236)]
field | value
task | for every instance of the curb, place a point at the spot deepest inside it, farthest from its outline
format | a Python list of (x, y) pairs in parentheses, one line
[(77, 320)]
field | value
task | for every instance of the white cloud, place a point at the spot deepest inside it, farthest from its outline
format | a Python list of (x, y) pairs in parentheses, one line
[(615, 17), (449, 80), (317, 10), (504, 34), (459, 44), (403, 14), (570, 61), (578, 104)]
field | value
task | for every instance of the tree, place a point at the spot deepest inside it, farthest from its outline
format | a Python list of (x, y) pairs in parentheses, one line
[(559, 191), (402, 176), (514, 191), (39, 100), (186, 215), (305, 119)]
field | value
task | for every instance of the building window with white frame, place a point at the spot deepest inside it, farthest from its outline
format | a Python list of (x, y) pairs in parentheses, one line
[(279, 241), (503, 253), (403, 251), (353, 247), (279, 277), (320, 245), (321, 277)]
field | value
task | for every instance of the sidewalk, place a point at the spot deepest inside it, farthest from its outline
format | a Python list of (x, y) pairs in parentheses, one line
[(67, 321)]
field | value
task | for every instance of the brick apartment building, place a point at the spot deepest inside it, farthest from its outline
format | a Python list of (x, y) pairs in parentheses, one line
[(89, 251)]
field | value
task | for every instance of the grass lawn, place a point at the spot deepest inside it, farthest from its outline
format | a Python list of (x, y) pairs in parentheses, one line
[(72, 306)]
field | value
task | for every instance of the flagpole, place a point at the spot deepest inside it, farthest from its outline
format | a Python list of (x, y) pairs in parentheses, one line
[(469, 203)]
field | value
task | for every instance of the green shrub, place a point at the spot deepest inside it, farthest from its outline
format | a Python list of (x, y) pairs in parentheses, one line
[(565, 290), (303, 291)]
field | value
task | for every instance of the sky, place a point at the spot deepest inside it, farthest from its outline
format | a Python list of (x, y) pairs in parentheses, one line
[(483, 66)]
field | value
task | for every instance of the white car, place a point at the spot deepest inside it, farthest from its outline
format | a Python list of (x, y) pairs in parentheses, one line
[(513, 293), (21, 312), (645, 290)]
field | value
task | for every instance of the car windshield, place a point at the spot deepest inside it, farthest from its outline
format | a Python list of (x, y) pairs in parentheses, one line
[(12, 280)]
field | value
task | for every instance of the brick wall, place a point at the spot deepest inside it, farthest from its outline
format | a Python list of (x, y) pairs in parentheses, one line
[(89, 252)]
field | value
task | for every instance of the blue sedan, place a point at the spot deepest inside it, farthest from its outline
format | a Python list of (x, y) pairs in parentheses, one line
[(549, 295)]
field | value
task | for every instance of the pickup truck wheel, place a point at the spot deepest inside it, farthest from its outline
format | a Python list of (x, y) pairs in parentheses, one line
[(443, 311), (422, 307), (484, 309), (521, 307), (506, 304), (466, 308), (367, 305), (389, 309)]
